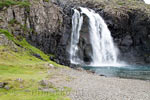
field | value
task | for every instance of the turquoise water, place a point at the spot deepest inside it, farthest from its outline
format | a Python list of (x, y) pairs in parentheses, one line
[(130, 72)]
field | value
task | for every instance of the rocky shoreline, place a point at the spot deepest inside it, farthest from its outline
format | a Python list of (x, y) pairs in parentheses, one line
[(89, 86)]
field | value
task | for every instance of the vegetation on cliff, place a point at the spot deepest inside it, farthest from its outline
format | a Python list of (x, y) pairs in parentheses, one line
[(8, 3)]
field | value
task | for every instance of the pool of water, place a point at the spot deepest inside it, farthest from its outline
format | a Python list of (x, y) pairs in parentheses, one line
[(130, 72)]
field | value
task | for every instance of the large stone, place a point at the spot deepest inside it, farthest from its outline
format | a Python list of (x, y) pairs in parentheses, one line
[(4, 41), (147, 59), (44, 83), (7, 87), (3, 84)]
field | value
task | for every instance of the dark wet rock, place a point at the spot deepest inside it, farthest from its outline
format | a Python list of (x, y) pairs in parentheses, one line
[(56, 60), (80, 69), (3, 84), (75, 66), (37, 56), (102, 75), (91, 71), (147, 59), (51, 58)]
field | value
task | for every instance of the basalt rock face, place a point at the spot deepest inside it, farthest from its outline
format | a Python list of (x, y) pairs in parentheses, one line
[(128, 23), (46, 21), (40, 23), (48, 26), (130, 29)]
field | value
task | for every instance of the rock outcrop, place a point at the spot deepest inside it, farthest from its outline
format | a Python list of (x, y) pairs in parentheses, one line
[(40, 23), (5, 42)]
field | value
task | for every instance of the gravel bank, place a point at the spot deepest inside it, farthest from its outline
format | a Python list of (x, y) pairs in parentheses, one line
[(88, 86)]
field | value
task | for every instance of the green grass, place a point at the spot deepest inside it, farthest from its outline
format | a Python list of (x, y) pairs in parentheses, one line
[(28, 88), (8, 3), (9, 36), (19, 63), (31, 49), (46, 0), (13, 21)]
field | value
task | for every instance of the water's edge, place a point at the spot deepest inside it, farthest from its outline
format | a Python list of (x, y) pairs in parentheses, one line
[(127, 72)]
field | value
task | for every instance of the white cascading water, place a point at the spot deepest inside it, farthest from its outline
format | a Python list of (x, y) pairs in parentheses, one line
[(77, 21), (104, 51), (147, 1)]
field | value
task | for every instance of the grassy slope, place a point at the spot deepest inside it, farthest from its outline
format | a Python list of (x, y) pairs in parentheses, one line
[(18, 63), (7, 3)]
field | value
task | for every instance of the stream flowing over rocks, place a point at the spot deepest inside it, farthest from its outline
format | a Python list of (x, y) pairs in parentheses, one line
[(48, 26)]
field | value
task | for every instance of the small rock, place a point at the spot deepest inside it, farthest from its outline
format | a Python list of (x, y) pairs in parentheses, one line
[(21, 86), (102, 75), (37, 56), (40, 88), (57, 61), (51, 58), (44, 82), (51, 66), (7, 87), (80, 69), (90, 71), (19, 80), (2, 84)]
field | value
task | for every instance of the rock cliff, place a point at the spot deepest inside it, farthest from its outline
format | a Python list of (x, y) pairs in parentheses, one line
[(47, 25)]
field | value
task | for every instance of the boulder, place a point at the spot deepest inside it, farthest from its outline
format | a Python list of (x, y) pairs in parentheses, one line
[(3, 84), (44, 83), (4, 41), (7, 87), (37, 56)]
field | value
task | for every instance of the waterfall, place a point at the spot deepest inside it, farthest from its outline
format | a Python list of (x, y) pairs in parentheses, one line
[(77, 20), (147, 1), (104, 50)]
